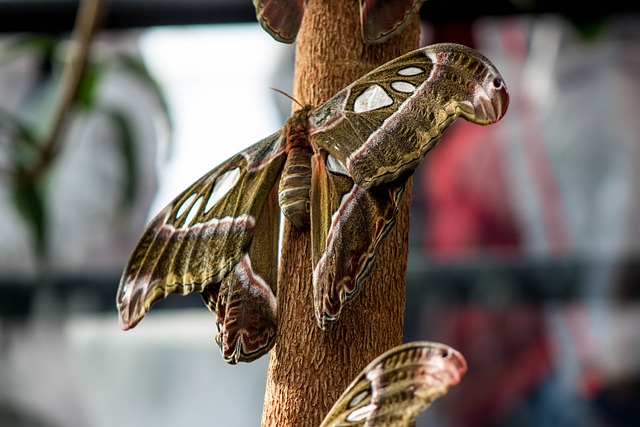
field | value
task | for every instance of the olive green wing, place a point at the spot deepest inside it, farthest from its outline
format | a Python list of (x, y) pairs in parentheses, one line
[(217, 238), (397, 386), (381, 126)]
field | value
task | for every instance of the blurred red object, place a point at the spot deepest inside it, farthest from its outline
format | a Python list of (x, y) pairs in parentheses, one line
[(466, 194)]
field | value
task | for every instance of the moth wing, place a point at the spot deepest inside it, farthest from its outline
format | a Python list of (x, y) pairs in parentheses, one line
[(245, 302), (381, 126), (280, 18), (347, 224), (397, 386), (194, 242), (381, 19)]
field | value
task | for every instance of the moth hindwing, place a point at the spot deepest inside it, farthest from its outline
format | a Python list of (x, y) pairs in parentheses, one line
[(280, 18), (347, 225), (393, 389), (380, 19)]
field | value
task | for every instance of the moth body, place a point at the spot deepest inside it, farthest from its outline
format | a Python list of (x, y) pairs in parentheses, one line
[(295, 182)]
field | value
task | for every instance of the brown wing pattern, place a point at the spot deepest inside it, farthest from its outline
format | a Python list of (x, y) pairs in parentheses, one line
[(347, 224), (393, 389), (381, 19), (219, 237), (381, 126), (193, 243), (280, 18), (245, 304), (368, 138)]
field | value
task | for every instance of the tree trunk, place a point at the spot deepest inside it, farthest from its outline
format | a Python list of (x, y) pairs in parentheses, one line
[(310, 368)]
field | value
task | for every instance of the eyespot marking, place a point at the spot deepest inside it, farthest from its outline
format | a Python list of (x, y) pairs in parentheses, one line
[(193, 212), (357, 399), (373, 98), (224, 183), (334, 165), (188, 202), (433, 57), (360, 414), (410, 71), (404, 87)]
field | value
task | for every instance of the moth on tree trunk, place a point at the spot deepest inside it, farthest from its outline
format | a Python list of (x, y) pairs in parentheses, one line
[(309, 367), (343, 168)]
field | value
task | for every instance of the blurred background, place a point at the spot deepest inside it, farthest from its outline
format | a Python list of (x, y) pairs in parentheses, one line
[(525, 235)]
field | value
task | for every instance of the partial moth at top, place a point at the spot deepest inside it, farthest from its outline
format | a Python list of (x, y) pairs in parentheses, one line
[(380, 19)]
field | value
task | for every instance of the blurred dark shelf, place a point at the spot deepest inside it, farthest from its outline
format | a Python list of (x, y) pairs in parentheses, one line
[(72, 293), (487, 282), (54, 16)]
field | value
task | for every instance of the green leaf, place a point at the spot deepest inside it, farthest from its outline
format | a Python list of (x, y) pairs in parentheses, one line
[(29, 199), (87, 92), (126, 144), (27, 191), (18, 142)]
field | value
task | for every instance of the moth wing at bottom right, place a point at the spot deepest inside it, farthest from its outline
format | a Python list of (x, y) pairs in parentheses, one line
[(397, 386)]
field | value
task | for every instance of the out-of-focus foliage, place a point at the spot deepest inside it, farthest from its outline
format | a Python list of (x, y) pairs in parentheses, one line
[(26, 154)]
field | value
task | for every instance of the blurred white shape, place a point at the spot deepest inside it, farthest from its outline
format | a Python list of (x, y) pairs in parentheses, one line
[(217, 81), (166, 372)]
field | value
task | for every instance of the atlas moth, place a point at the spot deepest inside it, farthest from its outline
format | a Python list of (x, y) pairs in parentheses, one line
[(339, 168)]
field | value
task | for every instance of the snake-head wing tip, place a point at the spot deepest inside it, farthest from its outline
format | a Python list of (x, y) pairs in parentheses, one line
[(130, 308), (127, 317), (460, 365), (501, 100)]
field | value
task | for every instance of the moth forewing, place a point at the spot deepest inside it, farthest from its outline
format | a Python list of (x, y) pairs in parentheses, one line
[(395, 387), (193, 244), (393, 115), (344, 124)]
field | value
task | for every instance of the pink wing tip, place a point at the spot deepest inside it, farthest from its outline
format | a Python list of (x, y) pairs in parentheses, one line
[(129, 312), (126, 319), (458, 365)]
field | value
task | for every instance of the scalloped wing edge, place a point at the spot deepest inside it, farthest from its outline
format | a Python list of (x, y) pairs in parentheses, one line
[(397, 386)]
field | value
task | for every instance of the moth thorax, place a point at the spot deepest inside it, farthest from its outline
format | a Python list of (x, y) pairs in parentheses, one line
[(295, 186)]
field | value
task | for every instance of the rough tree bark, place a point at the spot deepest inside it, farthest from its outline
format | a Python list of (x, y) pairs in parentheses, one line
[(309, 368)]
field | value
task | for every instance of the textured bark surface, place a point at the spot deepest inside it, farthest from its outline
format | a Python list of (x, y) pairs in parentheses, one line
[(310, 368)]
